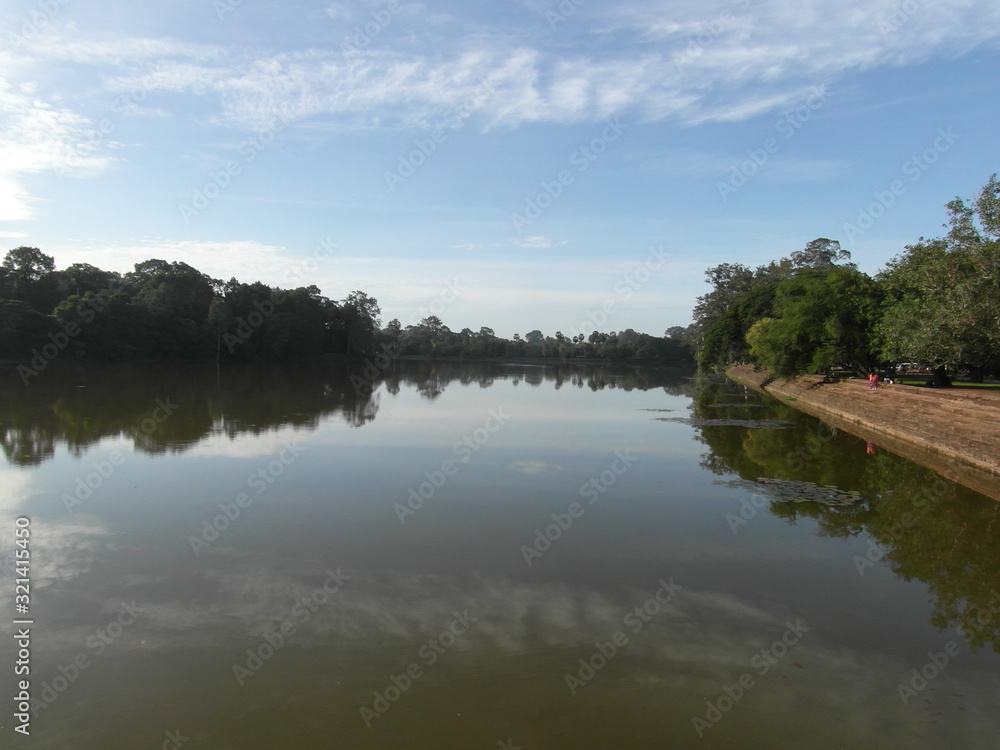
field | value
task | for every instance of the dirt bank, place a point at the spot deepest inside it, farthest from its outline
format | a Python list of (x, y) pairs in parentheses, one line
[(955, 432)]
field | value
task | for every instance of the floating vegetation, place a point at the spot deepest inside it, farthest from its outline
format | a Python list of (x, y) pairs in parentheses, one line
[(753, 424), (791, 491), (657, 410)]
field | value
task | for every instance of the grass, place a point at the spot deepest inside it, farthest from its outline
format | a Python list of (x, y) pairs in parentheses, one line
[(922, 379)]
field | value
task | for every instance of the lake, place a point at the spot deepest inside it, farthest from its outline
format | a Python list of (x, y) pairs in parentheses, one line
[(482, 555)]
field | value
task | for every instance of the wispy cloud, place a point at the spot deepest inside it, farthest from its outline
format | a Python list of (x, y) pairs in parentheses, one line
[(35, 137), (681, 61), (536, 242), (699, 64)]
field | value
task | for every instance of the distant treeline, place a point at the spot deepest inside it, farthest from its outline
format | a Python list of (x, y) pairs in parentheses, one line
[(171, 311), (937, 303)]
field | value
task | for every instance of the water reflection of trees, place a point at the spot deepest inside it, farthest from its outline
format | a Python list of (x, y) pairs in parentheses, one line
[(924, 527), (79, 406), (431, 377)]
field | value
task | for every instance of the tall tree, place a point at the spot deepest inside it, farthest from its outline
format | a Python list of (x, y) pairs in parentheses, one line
[(942, 293), (27, 274), (730, 281), (81, 278), (821, 320), (362, 322), (725, 340)]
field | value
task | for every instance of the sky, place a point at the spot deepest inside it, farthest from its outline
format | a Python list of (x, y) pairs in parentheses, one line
[(518, 164)]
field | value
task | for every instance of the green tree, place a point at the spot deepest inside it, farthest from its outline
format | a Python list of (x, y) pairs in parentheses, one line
[(81, 278), (731, 281), (821, 320), (22, 328), (28, 264), (941, 293), (28, 274), (174, 288), (360, 314), (725, 340), (534, 337)]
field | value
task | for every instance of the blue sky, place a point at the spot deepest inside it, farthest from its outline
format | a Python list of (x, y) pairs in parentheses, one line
[(545, 159)]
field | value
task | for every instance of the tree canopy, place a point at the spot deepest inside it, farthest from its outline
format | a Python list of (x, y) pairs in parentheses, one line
[(937, 303), (170, 310), (943, 295)]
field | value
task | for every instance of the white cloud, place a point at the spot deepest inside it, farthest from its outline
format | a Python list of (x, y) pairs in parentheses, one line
[(533, 468), (697, 63), (684, 61), (338, 11), (38, 137), (536, 242), (15, 203)]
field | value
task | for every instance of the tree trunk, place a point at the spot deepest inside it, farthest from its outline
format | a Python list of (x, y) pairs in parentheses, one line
[(976, 374), (939, 378)]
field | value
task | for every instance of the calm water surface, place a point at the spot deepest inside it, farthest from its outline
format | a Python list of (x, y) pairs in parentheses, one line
[(483, 556)]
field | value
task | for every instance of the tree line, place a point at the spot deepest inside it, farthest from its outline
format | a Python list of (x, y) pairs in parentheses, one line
[(171, 311), (938, 303)]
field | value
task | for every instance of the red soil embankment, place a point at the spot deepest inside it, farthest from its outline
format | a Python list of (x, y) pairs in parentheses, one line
[(956, 432)]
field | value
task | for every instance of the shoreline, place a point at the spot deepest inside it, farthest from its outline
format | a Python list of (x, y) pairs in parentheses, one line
[(954, 432)]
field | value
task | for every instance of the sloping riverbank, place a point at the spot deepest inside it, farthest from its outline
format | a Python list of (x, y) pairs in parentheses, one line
[(955, 432)]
